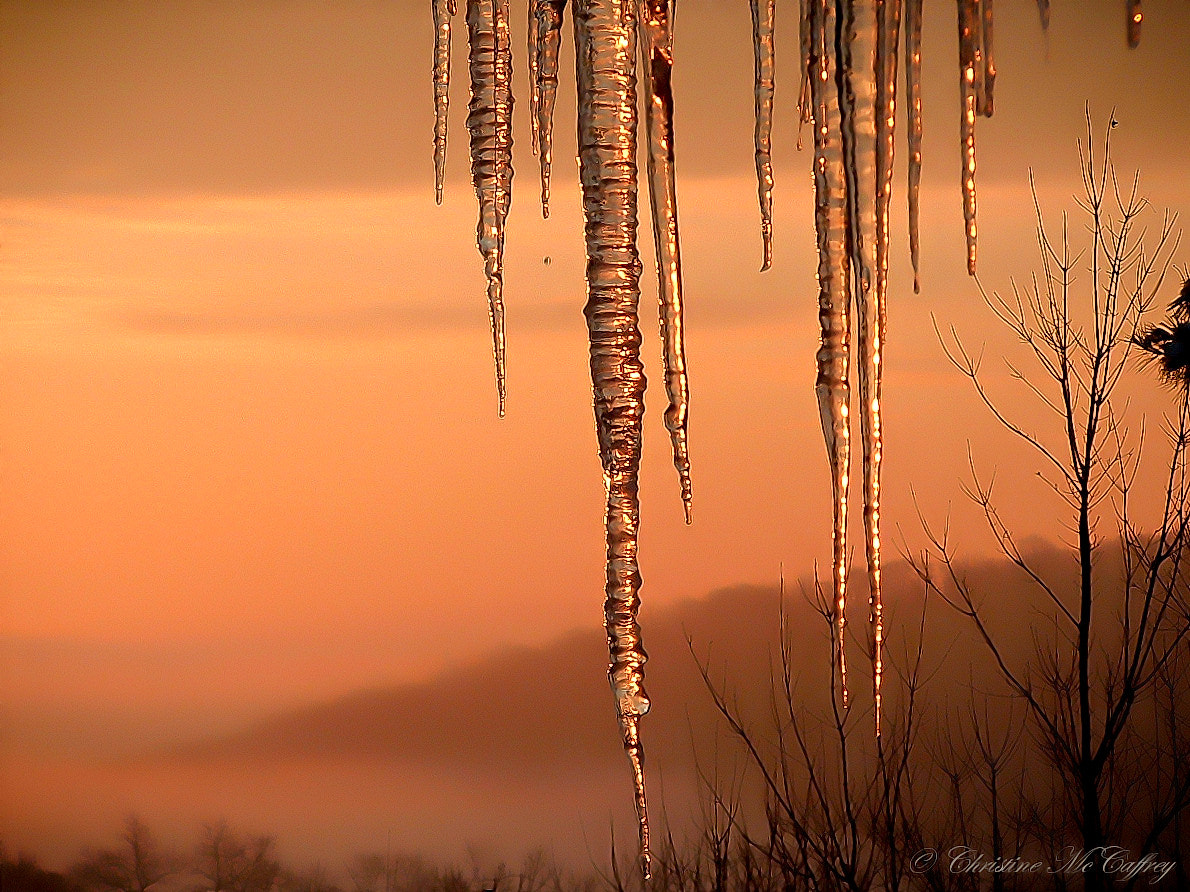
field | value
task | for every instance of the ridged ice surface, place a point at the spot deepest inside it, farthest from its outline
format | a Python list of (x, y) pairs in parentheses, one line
[(763, 15), (657, 51), (833, 387), (545, 34), (605, 51), (443, 10), (489, 121)]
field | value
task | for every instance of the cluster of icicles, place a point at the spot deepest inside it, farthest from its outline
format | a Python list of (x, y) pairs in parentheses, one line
[(848, 93)]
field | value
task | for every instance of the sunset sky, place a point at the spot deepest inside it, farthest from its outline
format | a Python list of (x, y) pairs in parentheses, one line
[(249, 450)]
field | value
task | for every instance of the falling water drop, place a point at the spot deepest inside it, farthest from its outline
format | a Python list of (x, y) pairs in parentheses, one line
[(489, 121), (913, 103), (548, 15), (605, 53), (968, 35), (763, 15), (657, 51), (1135, 20), (443, 10)]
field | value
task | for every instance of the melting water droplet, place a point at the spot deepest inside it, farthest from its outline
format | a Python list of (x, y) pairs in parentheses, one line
[(489, 121), (763, 14)]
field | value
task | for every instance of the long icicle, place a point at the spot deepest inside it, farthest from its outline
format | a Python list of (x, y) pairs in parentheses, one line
[(834, 296), (968, 35), (489, 121), (873, 323), (656, 38), (605, 52), (443, 10), (549, 16), (763, 13), (913, 103), (855, 52)]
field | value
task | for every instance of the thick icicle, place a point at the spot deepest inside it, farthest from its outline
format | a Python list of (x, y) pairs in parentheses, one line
[(548, 15), (989, 61), (605, 52), (913, 103), (443, 10), (834, 296), (1135, 20), (968, 37), (1043, 10), (872, 328), (657, 50), (489, 121), (762, 47)]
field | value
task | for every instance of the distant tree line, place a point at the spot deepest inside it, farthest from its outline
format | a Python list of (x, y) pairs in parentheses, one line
[(228, 860)]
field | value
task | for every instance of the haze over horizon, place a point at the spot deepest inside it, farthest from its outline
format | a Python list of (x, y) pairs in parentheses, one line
[(251, 459)]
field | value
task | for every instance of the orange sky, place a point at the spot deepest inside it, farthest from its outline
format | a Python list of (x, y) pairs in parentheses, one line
[(250, 453)]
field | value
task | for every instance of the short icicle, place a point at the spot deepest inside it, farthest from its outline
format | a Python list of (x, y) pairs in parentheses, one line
[(872, 328), (913, 103), (834, 296), (489, 121), (1135, 20), (657, 50), (989, 61), (548, 16), (968, 36), (1043, 10), (763, 14), (443, 10), (605, 53)]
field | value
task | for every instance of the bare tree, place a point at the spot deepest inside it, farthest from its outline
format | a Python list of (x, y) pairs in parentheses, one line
[(231, 863), (1104, 654), (135, 866)]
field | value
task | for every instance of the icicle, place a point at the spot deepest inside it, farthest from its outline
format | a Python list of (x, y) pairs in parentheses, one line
[(548, 35), (1135, 20), (968, 35), (989, 62), (834, 296), (534, 41), (656, 38), (443, 10), (872, 328), (489, 120), (913, 101), (762, 48), (605, 51)]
